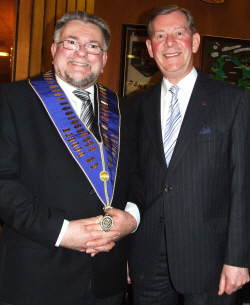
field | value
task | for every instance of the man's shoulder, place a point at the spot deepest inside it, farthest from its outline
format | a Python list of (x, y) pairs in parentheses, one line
[(16, 88), (147, 93), (16, 84), (17, 92), (216, 84)]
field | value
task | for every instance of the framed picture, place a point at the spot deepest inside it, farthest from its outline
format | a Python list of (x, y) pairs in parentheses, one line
[(138, 69), (227, 59)]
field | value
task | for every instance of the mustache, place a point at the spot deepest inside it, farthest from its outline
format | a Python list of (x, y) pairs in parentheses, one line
[(79, 63)]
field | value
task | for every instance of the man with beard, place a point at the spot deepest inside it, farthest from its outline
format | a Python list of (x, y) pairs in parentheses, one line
[(62, 160)]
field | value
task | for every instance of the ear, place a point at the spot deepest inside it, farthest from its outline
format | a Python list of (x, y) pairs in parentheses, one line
[(196, 42), (53, 49), (104, 60), (149, 46)]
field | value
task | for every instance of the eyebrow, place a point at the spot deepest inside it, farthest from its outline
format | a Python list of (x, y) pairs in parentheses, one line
[(73, 37), (175, 28), (180, 28), (76, 38)]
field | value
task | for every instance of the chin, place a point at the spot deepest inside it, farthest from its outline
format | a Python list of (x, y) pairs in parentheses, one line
[(173, 68), (78, 76)]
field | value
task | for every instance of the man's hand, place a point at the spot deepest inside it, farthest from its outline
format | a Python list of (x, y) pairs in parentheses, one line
[(77, 236), (232, 278), (124, 223)]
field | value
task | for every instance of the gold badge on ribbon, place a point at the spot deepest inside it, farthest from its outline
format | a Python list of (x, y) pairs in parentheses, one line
[(107, 221)]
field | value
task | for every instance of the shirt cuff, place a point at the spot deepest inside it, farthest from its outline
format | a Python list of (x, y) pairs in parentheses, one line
[(133, 210), (63, 230)]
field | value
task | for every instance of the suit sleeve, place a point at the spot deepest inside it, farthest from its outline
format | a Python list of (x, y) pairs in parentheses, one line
[(238, 245), (136, 193), (19, 208)]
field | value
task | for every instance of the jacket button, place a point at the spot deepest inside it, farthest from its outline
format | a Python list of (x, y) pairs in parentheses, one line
[(161, 219), (92, 192), (167, 188)]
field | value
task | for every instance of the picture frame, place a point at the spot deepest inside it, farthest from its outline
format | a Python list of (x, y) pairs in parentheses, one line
[(227, 59), (138, 70)]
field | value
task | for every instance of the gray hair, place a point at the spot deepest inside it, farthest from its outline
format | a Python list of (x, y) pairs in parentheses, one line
[(84, 17), (165, 10)]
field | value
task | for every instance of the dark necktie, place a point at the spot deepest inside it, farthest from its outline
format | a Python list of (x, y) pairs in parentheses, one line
[(87, 112), (173, 125)]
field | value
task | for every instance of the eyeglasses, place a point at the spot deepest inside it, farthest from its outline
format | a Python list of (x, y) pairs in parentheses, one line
[(73, 45)]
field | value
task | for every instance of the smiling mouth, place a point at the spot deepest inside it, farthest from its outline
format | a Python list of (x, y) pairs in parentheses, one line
[(79, 64), (172, 54)]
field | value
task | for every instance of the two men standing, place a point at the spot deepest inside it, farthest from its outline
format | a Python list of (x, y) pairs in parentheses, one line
[(66, 152)]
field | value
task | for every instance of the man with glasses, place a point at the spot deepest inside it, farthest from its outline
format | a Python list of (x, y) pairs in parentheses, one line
[(62, 159)]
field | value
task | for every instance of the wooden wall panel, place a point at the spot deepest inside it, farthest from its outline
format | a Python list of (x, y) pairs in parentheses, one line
[(71, 5), (49, 24), (61, 6), (81, 5), (22, 55), (90, 6), (36, 41)]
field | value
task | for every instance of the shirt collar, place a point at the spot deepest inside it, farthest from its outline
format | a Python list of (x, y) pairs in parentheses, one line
[(186, 84), (69, 89)]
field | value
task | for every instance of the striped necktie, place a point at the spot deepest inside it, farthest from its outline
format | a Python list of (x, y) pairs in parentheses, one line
[(173, 125), (87, 112)]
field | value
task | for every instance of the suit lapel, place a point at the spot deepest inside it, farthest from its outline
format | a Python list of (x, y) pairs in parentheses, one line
[(152, 113), (197, 109)]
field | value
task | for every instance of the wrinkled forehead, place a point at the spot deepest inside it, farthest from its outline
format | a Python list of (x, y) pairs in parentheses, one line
[(176, 19), (80, 30)]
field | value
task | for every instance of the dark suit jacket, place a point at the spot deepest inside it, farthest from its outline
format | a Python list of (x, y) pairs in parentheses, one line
[(40, 186), (202, 199)]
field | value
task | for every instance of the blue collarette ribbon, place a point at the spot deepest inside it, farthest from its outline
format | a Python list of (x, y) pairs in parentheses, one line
[(98, 160)]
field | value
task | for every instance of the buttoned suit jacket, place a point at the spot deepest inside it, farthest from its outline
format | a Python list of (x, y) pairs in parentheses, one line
[(202, 198), (40, 186)]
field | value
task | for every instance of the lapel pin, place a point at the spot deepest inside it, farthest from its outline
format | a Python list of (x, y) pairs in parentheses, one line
[(204, 103)]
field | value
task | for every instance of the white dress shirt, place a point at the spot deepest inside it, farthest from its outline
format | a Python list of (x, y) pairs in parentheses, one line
[(76, 103), (186, 86)]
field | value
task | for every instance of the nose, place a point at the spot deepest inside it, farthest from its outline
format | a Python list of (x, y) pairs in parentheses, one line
[(82, 50), (169, 41)]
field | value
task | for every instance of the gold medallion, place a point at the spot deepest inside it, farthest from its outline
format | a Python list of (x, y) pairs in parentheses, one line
[(107, 222), (104, 176)]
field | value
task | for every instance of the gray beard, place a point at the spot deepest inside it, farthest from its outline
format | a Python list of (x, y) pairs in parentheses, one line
[(82, 83), (79, 83)]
